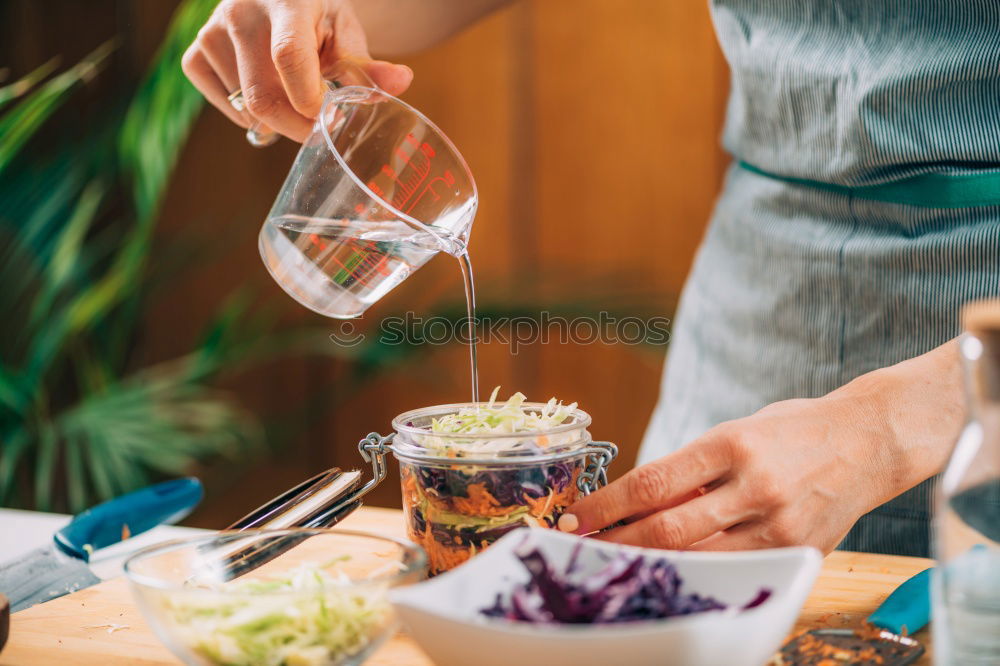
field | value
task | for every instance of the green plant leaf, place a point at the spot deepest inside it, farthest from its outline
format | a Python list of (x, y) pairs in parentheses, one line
[(76, 483), (156, 421), (22, 121), (45, 468), (19, 275), (14, 90), (112, 475), (34, 201), (13, 396), (13, 445), (156, 124), (65, 261), (88, 308), (97, 465), (161, 114)]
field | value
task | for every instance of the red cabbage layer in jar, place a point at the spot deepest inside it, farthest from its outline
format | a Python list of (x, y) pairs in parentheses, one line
[(471, 473)]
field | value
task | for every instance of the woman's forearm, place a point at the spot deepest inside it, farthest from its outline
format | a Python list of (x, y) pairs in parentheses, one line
[(795, 472), (402, 27), (914, 410)]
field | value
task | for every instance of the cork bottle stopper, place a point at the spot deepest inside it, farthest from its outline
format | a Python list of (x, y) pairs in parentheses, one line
[(982, 320), (982, 316)]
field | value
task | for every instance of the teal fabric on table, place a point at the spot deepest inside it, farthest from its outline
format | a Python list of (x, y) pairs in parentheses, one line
[(802, 283)]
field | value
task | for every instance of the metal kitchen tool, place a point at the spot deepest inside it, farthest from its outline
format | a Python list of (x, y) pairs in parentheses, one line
[(322, 501), (61, 567), (885, 642)]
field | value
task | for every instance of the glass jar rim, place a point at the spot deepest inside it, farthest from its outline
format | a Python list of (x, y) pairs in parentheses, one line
[(402, 425)]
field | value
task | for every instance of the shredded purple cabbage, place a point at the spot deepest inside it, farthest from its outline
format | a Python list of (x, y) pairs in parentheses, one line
[(509, 486), (626, 589)]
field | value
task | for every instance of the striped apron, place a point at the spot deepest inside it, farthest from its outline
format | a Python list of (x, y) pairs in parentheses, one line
[(862, 209)]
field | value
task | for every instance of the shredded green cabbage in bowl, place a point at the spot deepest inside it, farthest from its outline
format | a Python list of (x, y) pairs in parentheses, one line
[(506, 418), (306, 618)]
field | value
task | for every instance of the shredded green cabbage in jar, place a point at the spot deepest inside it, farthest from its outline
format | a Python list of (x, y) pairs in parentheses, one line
[(307, 618), (506, 418)]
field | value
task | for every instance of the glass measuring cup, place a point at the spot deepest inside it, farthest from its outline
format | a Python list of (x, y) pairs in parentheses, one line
[(375, 192)]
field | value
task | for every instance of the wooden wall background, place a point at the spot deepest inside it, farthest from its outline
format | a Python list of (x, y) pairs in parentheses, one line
[(592, 129)]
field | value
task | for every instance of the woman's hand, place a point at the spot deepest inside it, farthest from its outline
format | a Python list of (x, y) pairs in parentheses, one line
[(796, 472), (277, 52)]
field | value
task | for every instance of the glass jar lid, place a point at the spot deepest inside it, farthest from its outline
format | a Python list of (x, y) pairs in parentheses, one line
[(416, 439)]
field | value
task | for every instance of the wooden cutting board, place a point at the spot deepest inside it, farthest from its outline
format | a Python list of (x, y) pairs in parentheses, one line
[(100, 626)]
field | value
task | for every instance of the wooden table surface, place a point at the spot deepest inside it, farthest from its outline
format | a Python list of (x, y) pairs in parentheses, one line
[(100, 626)]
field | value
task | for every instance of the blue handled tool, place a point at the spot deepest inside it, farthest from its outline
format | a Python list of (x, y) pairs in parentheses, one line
[(134, 513), (61, 567), (906, 611)]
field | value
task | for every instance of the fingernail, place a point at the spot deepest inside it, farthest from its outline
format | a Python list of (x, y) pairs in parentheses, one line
[(568, 522)]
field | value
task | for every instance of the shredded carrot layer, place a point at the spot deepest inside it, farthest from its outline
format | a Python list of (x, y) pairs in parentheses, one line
[(553, 504), (410, 488), (440, 557), (479, 503), (539, 507)]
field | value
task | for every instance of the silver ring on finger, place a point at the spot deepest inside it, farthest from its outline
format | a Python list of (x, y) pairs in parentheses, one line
[(259, 135)]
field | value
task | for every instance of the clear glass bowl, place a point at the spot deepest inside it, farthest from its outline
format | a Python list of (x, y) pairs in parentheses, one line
[(303, 597), (462, 492)]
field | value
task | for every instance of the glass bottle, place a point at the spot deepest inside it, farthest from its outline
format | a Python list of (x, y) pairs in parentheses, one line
[(967, 525)]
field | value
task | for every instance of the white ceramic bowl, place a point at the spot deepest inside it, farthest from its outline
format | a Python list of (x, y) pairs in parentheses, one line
[(443, 614)]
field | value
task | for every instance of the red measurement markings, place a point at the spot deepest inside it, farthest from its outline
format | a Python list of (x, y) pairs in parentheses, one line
[(413, 165), (420, 163), (409, 183), (447, 179), (365, 261), (415, 171), (374, 187)]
